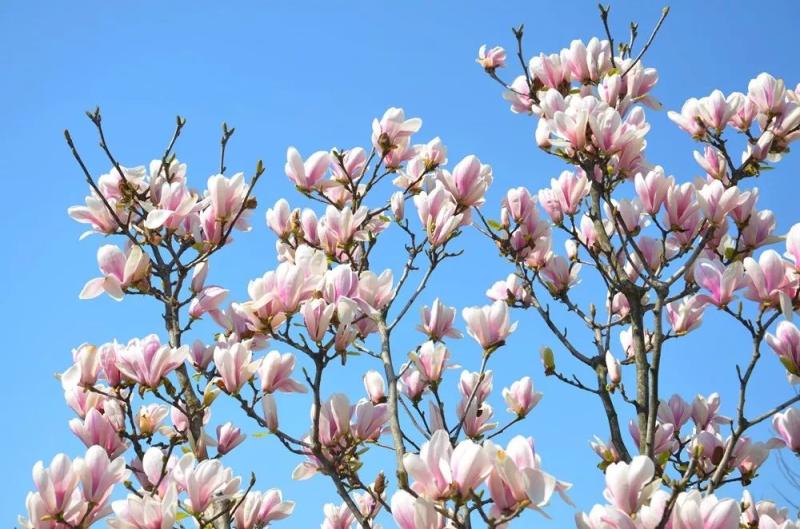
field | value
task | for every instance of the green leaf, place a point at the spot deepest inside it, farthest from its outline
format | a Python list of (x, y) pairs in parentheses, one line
[(494, 224), (260, 435)]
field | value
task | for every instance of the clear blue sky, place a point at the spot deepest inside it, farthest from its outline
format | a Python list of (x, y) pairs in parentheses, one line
[(314, 76)]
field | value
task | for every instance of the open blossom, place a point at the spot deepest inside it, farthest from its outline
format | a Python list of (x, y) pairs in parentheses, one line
[(689, 118), (145, 512), (235, 366), (306, 175), (520, 397), (676, 411), (204, 482), (569, 189), (437, 212), (393, 130), (768, 278), (368, 420), (260, 509), (663, 441), (489, 325), (431, 360), (686, 315), (705, 412), (275, 371), (440, 471), (120, 271), (208, 300), (719, 280), (693, 511), (317, 316), (713, 162), (767, 93), (787, 426), (225, 202), (491, 58), (149, 417), (415, 513), (560, 276), (651, 188), (786, 343), (147, 361), (437, 321), (97, 429), (628, 485), (716, 110), (716, 201), (228, 437), (468, 182), (174, 203)]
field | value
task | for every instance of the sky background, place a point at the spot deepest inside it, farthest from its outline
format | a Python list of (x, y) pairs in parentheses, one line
[(314, 76)]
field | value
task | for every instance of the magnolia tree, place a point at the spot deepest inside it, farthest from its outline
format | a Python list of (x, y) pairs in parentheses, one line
[(664, 251)]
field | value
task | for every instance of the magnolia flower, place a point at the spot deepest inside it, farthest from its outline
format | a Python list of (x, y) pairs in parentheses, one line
[(204, 482), (559, 275), (491, 59), (306, 175), (146, 512), (630, 485), (766, 93), (520, 397), (719, 280), (685, 315), (437, 321), (676, 411), (149, 417), (234, 365), (259, 509), (787, 425), (375, 386), (693, 511), (228, 437), (147, 362), (415, 513), (652, 188), (786, 344), (120, 271), (97, 429), (439, 471), (489, 325), (393, 130), (431, 360), (175, 202), (768, 278), (468, 182), (274, 372)]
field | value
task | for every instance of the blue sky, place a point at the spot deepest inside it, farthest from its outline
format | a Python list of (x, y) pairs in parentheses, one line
[(314, 75)]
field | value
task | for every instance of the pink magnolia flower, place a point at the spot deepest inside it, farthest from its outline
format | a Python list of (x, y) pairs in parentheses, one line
[(758, 231), (560, 276), (652, 188), (351, 167), (614, 370), (306, 175), (630, 485), (468, 182), (415, 513), (518, 95), (98, 474), (793, 245), (685, 315), (689, 118), (225, 202), (375, 290), (412, 383), (201, 355), (475, 415), (279, 218), (120, 271), (716, 110), (520, 204), (719, 280), (398, 205), (693, 511), (716, 201), (551, 205), (147, 362), (228, 437), (439, 471), (204, 482), (146, 512), (96, 214), (334, 421), (713, 162), (317, 315), (516, 477), (340, 517), (431, 360), (682, 212), (489, 325), (676, 411), (437, 321), (234, 365), (786, 343), (606, 451), (469, 380), (375, 386), (705, 412), (275, 371), (664, 441), (173, 204), (393, 130), (569, 189), (491, 58), (520, 397), (588, 62), (787, 425), (208, 300), (149, 417), (57, 491), (604, 517), (270, 409), (85, 369), (768, 278), (437, 212), (97, 429), (550, 70), (369, 420), (767, 93), (260, 509)]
